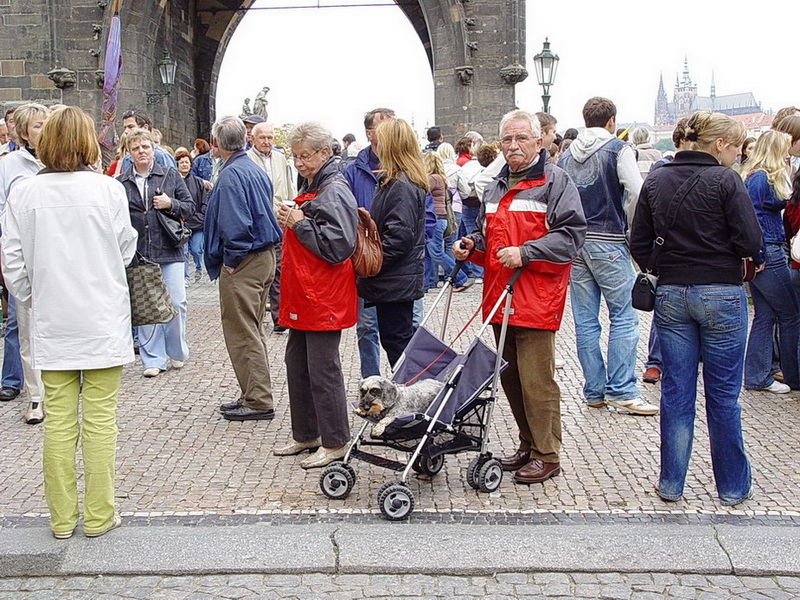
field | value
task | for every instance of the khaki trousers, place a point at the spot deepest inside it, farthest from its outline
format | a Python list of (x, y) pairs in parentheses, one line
[(243, 304), (530, 386)]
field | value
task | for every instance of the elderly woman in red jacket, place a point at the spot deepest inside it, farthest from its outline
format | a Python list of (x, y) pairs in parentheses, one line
[(318, 297)]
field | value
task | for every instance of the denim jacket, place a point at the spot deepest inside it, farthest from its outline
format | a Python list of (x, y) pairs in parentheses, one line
[(602, 194), (768, 210)]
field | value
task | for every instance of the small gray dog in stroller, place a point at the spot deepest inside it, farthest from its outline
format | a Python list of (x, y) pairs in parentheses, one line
[(383, 399)]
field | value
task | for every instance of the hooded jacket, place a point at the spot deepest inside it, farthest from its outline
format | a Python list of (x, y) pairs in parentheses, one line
[(605, 171), (318, 290), (542, 215)]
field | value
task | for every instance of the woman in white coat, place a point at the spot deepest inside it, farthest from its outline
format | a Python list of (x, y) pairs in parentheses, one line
[(15, 167), (67, 237)]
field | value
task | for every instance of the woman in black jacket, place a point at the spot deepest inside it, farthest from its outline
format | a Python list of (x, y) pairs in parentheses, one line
[(398, 209), (195, 223), (700, 307), (151, 189)]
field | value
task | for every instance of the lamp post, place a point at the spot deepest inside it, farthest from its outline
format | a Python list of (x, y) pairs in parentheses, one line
[(546, 64), (166, 69)]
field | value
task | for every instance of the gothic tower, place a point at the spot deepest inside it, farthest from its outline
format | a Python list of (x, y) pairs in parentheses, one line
[(685, 94), (662, 110)]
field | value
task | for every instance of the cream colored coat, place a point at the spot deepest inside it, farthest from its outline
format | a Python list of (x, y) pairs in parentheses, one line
[(66, 240), (284, 188)]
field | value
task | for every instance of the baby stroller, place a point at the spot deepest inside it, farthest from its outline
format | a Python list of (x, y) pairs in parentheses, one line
[(457, 419)]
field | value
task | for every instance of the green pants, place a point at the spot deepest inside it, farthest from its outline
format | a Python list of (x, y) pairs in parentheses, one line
[(98, 431)]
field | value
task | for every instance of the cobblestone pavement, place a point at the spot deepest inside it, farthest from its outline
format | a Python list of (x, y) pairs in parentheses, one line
[(177, 456), (503, 586)]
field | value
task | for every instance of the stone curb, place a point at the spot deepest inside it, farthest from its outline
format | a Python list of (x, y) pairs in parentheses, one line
[(405, 548)]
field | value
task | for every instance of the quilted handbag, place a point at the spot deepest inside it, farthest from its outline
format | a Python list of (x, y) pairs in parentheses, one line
[(150, 301)]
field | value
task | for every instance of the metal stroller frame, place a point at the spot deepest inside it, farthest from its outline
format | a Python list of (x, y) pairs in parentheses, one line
[(426, 436)]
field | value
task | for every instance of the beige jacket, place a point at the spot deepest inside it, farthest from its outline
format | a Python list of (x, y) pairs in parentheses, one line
[(284, 188)]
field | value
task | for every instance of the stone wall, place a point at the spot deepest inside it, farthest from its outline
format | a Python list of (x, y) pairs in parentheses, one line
[(475, 47)]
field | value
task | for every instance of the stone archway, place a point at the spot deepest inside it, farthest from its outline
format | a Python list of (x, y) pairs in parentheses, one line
[(475, 49)]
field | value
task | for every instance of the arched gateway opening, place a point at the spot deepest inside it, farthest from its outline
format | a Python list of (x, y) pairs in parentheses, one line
[(475, 50), (54, 52), (327, 65)]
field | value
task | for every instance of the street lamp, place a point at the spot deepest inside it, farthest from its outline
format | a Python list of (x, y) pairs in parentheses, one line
[(166, 68), (546, 64)]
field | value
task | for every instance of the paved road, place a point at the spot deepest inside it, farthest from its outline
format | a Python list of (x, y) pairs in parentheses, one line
[(180, 464), (503, 586)]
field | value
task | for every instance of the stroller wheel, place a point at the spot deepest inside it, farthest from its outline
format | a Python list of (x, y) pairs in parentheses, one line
[(427, 465), (472, 471), (396, 502), (337, 481), (490, 475)]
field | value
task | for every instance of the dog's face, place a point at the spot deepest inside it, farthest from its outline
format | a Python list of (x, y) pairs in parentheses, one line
[(378, 396)]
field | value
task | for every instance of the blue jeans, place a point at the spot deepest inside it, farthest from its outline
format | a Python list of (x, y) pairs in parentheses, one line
[(604, 269), (12, 362), (469, 215), (708, 321), (448, 243), (369, 349), (194, 247), (654, 349), (439, 258), (774, 301), (157, 342)]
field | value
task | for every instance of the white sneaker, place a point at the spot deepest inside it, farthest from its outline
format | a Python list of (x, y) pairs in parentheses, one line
[(176, 364), (34, 414), (776, 387), (151, 372), (634, 406)]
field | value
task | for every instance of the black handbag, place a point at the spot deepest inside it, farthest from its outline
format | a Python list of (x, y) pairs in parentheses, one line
[(150, 300), (177, 231), (643, 294)]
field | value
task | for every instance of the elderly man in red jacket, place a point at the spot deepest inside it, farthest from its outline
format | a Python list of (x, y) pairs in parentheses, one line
[(531, 218)]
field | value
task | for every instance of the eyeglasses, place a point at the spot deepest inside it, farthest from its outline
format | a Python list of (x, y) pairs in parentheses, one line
[(521, 139), (304, 158)]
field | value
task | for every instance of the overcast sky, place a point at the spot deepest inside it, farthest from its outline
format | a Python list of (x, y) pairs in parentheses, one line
[(333, 64)]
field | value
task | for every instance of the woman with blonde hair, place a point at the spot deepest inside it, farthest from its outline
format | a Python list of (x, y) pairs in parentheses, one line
[(435, 248), (398, 210), (15, 168), (774, 298), (67, 237), (701, 209)]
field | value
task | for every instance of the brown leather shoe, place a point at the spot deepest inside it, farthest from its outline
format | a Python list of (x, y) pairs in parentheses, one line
[(516, 461), (537, 471), (651, 375)]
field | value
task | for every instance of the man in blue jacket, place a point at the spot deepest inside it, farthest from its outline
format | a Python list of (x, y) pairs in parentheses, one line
[(241, 232), (361, 176)]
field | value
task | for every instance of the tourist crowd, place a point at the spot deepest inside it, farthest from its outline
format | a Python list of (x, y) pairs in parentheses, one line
[(577, 213)]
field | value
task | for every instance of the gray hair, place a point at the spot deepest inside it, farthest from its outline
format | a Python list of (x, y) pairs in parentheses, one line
[(230, 132), (312, 133), (476, 139), (640, 135), (522, 115)]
